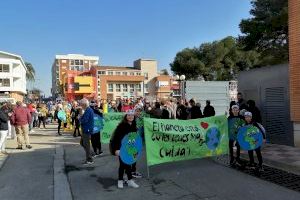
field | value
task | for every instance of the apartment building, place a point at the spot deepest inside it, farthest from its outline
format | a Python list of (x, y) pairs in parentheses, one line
[(115, 82), (12, 76), (66, 63), (148, 68)]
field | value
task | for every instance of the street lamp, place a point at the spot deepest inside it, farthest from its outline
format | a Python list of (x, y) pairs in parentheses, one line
[(181, 79)]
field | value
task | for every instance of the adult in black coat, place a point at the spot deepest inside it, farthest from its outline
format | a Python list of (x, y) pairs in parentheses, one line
[(195, 111), (181, 112), (256, 116), (241, 102), (3, 130), (209, 110)]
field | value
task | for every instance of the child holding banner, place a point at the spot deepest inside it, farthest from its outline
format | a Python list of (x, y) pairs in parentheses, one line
[(126, 126), (235, 121), (248, 119), (140, 129), (95, 137)]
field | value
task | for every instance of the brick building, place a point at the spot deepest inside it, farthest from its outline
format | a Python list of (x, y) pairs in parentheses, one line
[(294, 66)]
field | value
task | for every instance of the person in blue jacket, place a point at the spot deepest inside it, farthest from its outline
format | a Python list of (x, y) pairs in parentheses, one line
[(87, 126)]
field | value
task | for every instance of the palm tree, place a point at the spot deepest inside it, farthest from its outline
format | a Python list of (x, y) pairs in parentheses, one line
[(30, 74)]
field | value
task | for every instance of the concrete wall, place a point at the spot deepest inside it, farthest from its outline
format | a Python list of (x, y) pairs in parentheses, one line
[(263, 85)]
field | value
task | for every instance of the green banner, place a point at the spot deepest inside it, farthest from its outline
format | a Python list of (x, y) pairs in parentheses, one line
[(113, 116), (110, 123), (175, 140)]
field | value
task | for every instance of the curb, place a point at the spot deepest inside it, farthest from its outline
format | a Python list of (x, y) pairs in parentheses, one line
[(3, 160), (62, 189)]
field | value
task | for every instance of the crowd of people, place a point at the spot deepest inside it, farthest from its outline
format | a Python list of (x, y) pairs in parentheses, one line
[(79, 117)]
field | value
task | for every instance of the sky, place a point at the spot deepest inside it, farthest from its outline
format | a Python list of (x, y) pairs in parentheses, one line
[(118, 31)]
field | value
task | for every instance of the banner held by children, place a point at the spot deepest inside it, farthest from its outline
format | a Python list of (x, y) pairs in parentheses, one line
[(233, 126), (110, 123), (175, 140)]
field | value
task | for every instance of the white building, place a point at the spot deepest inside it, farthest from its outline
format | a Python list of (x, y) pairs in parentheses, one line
[(12, 76)]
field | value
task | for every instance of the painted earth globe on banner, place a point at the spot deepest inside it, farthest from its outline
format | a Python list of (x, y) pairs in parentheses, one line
[(249, 137), (61, 115), (131, 148), (98, 123), (212, 138), (233, 125)]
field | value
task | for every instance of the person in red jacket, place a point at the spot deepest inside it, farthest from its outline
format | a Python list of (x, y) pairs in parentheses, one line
[(21, 118)]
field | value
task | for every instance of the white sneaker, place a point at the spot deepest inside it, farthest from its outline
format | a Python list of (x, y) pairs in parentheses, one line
[(120, 184), (132, 184)]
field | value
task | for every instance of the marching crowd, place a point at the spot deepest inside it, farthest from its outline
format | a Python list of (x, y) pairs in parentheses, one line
[(79, 117)]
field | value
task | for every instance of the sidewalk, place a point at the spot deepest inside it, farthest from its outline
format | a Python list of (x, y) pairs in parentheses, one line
[(282, 157), (36, 173)]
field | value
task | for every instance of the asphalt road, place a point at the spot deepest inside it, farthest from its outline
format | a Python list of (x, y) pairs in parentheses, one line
[(29, 175)]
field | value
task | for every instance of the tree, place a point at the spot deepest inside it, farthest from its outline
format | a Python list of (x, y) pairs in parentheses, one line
[(30, 74), (186, 62), (219, 60), (164, 72), (267, 31)]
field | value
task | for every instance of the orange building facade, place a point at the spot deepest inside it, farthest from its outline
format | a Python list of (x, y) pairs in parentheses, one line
[(78, 85)]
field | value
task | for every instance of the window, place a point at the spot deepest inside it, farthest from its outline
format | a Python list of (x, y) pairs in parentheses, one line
[(72, 62), (146, 86), (146, 76), (118, 87), (81, 62), (4, 68), (110, 73), (110, 87), (138, 87), (131, 87), (131, 73), (125, 88), (138, 73), (77, 62), (125, 73), (102, 72), (4, 82), (118, 73)]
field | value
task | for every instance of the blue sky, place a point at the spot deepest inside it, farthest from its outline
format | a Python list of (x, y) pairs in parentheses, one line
[(118, 31)]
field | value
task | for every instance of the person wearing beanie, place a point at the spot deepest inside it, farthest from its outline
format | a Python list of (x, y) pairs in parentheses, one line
[(127, 125), (238, 122), (250, 121)]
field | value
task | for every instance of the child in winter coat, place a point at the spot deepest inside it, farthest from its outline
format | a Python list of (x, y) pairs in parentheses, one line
[(248, 119), (235, 121), (126, 126)]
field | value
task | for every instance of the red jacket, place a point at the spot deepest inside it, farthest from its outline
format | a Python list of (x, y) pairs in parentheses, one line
[(21, 116)]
